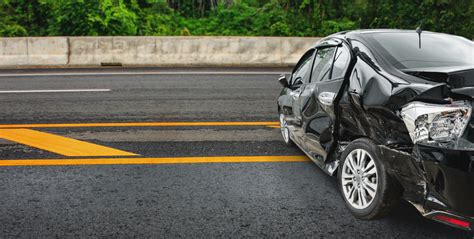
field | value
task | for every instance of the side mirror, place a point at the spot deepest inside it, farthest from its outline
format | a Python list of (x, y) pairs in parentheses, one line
[(283, 80)]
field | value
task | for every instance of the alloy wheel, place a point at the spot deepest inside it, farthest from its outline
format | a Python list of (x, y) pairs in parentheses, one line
[(284, 129), (359, 179)]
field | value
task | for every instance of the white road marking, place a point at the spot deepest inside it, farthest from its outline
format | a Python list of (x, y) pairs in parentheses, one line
[(52, 91), (146, 73)]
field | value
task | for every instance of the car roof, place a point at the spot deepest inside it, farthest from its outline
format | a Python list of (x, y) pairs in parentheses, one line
[(359, 34), (365, 31)]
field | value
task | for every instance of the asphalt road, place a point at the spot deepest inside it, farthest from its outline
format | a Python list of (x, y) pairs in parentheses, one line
[(246, 199)]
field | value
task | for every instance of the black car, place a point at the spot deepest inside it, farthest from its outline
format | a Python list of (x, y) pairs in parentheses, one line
[(390, 113)]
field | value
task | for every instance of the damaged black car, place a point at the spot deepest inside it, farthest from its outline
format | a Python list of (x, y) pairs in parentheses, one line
[(389, 112)]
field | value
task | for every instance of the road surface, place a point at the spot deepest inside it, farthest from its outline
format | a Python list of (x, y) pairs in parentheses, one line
[(166, 152)]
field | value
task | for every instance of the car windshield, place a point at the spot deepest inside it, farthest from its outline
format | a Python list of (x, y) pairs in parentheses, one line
[(403, 50)]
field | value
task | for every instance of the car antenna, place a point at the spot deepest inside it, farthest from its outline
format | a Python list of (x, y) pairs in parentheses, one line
[(418, 30)]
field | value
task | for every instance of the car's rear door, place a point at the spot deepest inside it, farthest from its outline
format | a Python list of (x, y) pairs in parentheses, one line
[(319, 99)]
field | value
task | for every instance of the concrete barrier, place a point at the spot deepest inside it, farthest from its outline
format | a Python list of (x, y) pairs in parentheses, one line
[(33, 51), (152, 51)]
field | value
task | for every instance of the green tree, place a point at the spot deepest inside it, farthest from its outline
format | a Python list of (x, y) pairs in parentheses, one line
[(22, 18), (91, 18), (229, 17)]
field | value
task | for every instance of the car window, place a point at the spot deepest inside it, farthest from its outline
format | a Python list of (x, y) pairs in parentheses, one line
[(407, 50), (322, 63), (341, 61), (303, 67)]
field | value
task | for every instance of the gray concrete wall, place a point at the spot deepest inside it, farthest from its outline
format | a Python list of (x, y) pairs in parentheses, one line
[(152, 51)]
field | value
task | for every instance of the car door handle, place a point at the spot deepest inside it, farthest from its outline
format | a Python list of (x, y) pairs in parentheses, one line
[(296, 93), (326, 98)]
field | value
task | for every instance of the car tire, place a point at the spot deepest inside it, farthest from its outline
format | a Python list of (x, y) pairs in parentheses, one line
[(368, 191), (285, 132)]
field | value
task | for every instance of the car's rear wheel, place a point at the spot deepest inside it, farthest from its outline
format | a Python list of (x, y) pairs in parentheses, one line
[(285, 132), (368, 191)]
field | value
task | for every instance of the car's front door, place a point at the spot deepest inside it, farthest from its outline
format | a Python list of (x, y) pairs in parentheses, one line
[(299, 81), (319, 99)]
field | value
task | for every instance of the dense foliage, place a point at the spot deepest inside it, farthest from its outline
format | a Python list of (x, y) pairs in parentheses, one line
[(229, 17)]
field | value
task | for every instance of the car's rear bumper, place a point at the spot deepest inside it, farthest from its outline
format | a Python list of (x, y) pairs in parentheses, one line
[(449, 175), (440, 181)]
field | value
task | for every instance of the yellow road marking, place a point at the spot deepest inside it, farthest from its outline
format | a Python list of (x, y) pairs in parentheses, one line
[(185, 160), (139, 124), (58, 144)]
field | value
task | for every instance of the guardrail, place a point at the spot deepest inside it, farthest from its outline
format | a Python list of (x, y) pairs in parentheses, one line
[(152, 51)]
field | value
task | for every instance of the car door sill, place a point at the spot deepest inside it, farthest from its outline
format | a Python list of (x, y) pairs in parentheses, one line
[(320, 164)]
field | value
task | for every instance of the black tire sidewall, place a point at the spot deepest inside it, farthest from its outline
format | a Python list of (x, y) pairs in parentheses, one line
[(371, 211)]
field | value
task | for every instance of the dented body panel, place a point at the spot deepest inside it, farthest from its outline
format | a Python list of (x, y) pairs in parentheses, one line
[(435, 176)]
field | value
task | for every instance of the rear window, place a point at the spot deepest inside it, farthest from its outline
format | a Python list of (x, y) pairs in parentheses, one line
[(402, 49)]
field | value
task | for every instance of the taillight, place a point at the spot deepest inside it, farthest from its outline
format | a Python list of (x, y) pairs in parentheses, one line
[(452, 221)]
